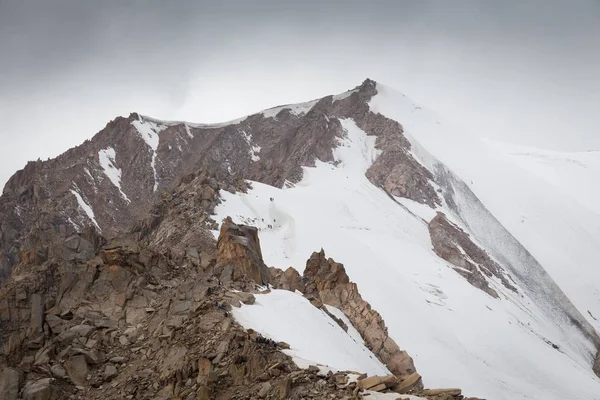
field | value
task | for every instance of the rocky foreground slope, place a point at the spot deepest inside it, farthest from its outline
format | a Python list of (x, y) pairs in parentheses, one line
[(129, 323), (112, 283)]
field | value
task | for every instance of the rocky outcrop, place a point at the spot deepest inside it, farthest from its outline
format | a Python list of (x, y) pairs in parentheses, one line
[(395, 170), (328, 281), (289, 279), (454, 245), (133, 323), (239, 255)]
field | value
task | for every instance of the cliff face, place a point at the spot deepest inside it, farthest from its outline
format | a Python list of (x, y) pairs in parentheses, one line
[(239, 255), (115, 179)]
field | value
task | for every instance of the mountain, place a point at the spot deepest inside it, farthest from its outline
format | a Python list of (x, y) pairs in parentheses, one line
[(475, 257)]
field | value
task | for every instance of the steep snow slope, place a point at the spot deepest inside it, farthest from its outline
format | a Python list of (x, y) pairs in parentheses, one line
[(555, 223), (107, 159), (314, 337), (458, 335)]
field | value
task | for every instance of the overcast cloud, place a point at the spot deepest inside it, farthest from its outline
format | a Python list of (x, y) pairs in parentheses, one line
[(519, 71)]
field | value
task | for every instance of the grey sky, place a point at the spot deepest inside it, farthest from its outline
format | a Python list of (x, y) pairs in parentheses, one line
[(520, 71)]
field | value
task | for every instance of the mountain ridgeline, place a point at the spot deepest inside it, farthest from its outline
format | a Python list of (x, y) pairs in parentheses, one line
[(111, 252)]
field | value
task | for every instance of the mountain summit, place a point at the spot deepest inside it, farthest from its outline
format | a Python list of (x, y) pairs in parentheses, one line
[(475, 258)]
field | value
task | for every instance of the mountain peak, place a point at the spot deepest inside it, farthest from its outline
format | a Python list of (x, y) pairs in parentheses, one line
[(132, 215)]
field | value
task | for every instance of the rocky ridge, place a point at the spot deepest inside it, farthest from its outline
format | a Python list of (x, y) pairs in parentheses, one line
[(130, 323), (167, 192), (59, 197)]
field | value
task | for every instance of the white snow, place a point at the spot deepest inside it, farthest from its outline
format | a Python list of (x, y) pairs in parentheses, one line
[(354, 334), (570, 173), (167, 124), (560, 233), (86, 208), (342, 96), (188, 131), (296, 109), (254, 149), (420, 210), (149, 131), (458, 335), (107, 159), (87, 172), (314, 338)]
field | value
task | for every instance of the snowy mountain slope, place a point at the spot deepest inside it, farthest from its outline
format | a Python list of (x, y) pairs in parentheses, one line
[(333, 174), (313, 336), (572, 173), (458, 334), (554, 226)]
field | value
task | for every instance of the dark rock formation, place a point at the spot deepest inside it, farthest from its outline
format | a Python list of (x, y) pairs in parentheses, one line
[(239, 255), (326, 282), (473, 263)]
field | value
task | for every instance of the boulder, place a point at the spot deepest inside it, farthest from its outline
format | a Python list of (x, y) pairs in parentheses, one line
[(379, 388), (205, 367), (203, 393), (411, 382), (110, 372), (373, 381), (58, 371), (56, 324), (82, 330), (77, 369), (235, 299), (174, 361), (264, 390), (39, 390), (454, 392), (44, 355), (283, 388), (26, 363)]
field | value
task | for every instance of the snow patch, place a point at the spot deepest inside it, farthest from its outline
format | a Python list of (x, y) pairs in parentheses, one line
[(342, 96), (420, 210), (188, 131), (86, 208), (87, 172), (354, 334), (193, 124), (149, 130), (312, 335), (107, 159), (296, 109), (254, 149)]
